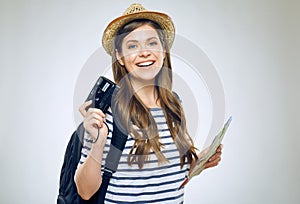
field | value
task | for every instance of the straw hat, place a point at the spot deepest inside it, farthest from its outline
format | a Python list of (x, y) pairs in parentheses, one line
[(137, 11)]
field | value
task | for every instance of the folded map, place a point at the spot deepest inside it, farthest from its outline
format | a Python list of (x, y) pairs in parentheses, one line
[(200, 164)]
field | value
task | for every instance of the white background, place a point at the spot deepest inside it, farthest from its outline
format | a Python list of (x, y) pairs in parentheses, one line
[(253, 44)]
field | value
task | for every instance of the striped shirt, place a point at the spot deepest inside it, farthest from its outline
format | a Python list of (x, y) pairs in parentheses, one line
[(154, 183)]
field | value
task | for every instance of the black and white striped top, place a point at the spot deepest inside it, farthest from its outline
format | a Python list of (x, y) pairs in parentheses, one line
[(153, 183)]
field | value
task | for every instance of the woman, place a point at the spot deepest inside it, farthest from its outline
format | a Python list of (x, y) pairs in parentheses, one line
[(159, 151)]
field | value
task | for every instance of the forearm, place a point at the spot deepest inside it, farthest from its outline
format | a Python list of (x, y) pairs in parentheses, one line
[(88, 176)]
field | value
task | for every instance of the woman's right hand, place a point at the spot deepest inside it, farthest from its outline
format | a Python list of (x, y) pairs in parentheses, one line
[(87, 176), (93, 117)]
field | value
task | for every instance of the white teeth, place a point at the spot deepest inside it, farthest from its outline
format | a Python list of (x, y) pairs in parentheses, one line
[(143, 64)]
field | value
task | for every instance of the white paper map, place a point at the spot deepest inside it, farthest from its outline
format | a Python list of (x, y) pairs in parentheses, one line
[(200, 165)]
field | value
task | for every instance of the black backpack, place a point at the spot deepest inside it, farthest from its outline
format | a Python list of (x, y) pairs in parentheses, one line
[(67, 188)]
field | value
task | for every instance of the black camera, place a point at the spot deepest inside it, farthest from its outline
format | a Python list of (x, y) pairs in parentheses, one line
[(102, 94)]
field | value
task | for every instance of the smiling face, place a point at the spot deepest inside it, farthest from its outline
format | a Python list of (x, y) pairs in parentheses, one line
[(142, 54)]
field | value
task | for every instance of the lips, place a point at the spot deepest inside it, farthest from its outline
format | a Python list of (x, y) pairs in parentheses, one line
[(145, 64)]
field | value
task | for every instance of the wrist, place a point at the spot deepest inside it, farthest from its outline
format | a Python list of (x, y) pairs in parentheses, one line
[(100, 143), (100, 132), (100, 140)]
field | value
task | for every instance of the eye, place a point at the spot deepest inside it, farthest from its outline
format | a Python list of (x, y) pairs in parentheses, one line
[(153, 43), (132, 46)]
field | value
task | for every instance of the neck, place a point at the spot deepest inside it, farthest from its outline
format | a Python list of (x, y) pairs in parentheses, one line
[(147, 94)]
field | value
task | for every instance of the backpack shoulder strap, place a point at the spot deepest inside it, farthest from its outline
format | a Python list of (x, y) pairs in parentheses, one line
[(117, 145)]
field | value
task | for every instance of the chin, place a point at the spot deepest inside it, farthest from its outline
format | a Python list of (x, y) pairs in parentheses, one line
[(145, 75)]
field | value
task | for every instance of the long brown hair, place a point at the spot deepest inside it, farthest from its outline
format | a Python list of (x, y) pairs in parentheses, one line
[(136, 117)]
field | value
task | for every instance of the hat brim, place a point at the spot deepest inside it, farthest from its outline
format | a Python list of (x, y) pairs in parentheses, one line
[(161, 19)]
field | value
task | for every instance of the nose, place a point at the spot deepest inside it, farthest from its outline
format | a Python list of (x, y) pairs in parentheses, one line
[(144, 53)]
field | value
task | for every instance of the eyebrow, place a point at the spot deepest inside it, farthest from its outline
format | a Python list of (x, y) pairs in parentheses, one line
[(138, 41)]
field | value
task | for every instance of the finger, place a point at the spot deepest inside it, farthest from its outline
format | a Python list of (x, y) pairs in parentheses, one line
[(220, 147), (82, 108), (96, 116), (215, 156), (213, 163), (97, 111), (94, 122)]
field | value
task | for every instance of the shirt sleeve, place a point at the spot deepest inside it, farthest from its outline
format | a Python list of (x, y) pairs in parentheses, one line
[(86, 147)]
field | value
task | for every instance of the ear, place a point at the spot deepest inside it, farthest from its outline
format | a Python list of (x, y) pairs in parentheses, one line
[(119, 57)]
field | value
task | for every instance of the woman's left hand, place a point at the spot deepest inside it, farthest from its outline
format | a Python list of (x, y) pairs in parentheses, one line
[(215, 159)]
